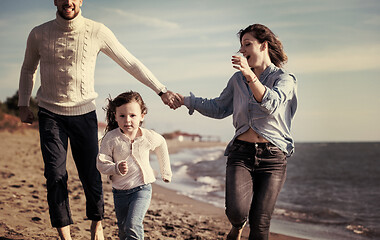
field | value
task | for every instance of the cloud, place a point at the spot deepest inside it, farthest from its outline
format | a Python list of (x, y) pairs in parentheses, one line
[(144, 20), (373, 20), (348, 58)]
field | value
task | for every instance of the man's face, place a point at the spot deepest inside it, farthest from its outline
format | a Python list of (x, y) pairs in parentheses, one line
[(68, 9)]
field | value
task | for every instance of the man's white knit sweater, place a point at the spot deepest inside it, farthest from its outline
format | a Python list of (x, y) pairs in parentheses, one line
[(67, 52)]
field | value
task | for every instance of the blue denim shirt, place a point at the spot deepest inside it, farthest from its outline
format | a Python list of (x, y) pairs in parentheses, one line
[(271, 118)]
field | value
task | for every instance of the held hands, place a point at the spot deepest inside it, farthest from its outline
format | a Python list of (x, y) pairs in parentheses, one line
[(173, 100), (182, 99), (26, 116), (123, 168)]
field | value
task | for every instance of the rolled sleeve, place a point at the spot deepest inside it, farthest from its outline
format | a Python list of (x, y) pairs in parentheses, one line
[(190, 102), (268, 100), (281, 92)]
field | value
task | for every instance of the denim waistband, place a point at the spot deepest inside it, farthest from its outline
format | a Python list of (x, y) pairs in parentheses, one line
[(254, 145), (132, 190)]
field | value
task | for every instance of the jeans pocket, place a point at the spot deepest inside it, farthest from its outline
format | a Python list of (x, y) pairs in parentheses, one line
[(234, 147), (274, 151)]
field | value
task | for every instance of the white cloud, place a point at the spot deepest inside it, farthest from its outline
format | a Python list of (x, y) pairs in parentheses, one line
[(373, 20), (348, 58), (144, 20)]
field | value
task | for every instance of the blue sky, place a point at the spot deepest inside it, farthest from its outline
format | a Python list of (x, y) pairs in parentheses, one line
[(333, 49)]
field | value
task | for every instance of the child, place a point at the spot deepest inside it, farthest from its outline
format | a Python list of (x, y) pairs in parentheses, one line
[(124, 156)]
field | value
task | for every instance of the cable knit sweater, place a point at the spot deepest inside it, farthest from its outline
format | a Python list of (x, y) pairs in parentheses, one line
[(117, 147), (67, 52)]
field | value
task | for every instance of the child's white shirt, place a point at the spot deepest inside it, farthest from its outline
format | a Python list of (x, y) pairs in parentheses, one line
[(116, 147)]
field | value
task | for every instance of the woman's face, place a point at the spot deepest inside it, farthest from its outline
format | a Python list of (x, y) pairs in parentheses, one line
[(252, 50)]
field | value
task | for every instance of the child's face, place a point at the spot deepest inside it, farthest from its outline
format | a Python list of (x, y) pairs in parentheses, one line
[(128, 117)]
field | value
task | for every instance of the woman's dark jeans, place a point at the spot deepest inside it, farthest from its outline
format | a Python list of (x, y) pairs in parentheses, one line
[(254, 177)]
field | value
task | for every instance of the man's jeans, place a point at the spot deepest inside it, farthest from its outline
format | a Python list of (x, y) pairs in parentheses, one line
[(82, 130), (131, 206), (254, 177)]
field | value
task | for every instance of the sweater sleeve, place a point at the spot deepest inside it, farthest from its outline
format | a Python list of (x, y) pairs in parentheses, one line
[(161, 150), (116, 51), (28, 69), (105, 163)]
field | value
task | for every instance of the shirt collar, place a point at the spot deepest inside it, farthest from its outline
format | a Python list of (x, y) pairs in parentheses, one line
[(137, 139), (271, 68)]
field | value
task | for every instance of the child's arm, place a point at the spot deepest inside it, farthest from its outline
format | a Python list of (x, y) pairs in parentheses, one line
[(105, 162), (163, 159)]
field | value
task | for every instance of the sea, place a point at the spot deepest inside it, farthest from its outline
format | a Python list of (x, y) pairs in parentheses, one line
[(332, 190)]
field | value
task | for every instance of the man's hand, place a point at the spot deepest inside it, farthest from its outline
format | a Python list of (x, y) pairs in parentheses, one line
[(182, 99), (26, 116), (171, 99)]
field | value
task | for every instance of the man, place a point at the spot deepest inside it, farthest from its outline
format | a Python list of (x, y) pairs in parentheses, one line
[(66, 49)]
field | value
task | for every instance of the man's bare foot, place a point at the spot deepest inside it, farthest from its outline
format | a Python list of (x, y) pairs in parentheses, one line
[(64, 233), (97, 230)]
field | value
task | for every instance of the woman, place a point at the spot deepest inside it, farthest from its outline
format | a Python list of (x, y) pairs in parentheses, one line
[(262, 99)]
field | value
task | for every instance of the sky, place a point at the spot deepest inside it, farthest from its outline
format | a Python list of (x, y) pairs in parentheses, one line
[(333, 48)]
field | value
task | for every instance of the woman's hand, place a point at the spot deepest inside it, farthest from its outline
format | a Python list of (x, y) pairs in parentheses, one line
[(253, 82), (240, 63)]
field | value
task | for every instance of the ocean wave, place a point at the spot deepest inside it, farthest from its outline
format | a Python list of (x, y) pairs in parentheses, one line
[(320, 189), (358, 229), (368, 231), (211, 156), (327, 217), (209, 181), (313, 215)]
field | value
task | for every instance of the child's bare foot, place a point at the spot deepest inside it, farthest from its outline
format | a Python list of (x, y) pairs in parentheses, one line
[(97, 230)]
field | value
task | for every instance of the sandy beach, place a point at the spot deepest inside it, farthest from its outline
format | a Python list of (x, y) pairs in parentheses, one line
[(24, 211)]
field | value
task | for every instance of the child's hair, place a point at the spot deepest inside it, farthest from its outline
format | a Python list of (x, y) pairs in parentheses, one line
[(123, 98)]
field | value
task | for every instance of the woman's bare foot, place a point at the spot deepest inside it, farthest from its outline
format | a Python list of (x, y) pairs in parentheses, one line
[(235, 233)]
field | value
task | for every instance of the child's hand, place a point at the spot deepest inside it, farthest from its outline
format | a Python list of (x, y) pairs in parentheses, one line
[(123, 168)]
